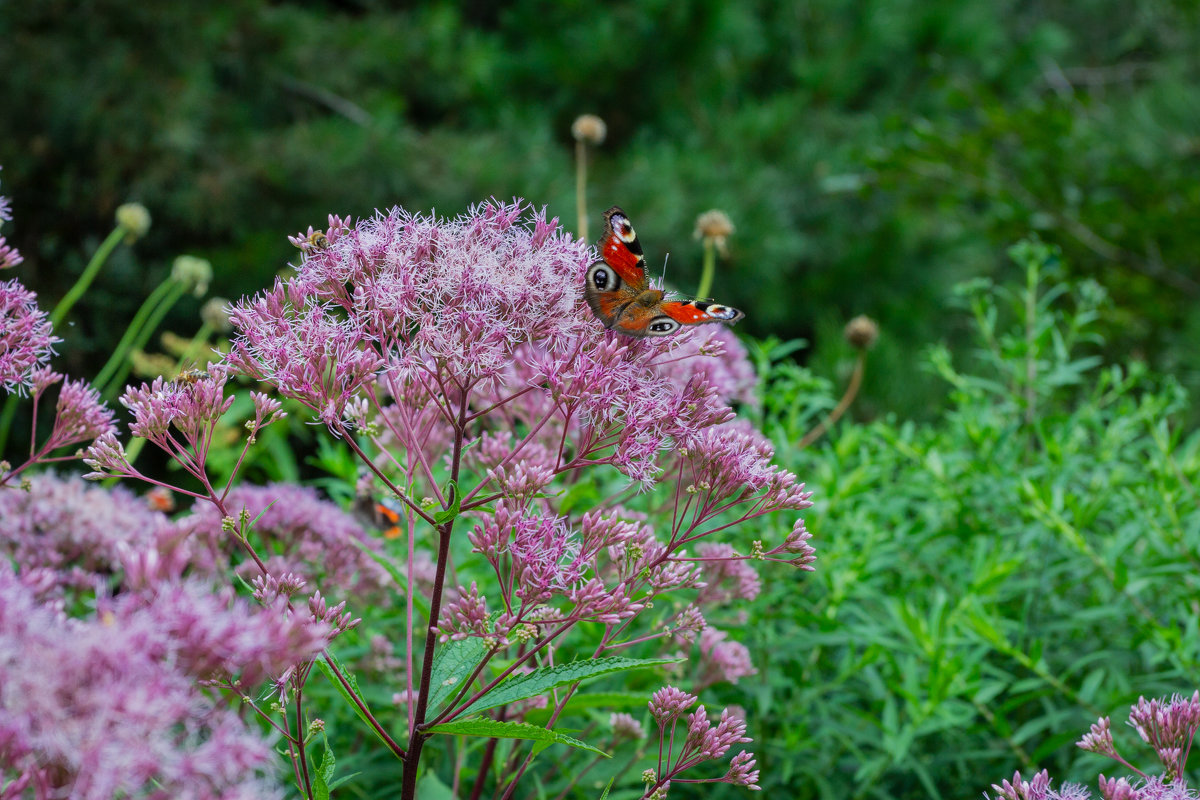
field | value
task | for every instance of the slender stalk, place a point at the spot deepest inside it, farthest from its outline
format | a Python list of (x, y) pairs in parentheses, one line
[(581, 187), (408, 789), (89, 274), (710, 267), (840, 409), (176, 290), (135, 326)]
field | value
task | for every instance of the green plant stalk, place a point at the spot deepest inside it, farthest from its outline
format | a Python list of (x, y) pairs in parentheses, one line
[(177, 290), (581, 187), (64, 305), (710, 267), (139, 320), (89, 274)]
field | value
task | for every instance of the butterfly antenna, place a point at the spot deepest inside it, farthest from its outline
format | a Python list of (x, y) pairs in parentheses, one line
[(666, 258)]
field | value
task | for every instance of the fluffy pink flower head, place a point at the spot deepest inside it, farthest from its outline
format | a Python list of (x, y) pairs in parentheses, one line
[(120, 714), (189, 407), (443, 314), (26, 336), (9, 257)]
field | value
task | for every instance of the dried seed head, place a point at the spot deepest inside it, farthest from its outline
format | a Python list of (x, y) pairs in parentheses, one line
[(714, 226), (589, 129), (861, 332)]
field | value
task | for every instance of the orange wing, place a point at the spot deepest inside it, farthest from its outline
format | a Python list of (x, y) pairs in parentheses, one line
[(697, 312), (620, 248)]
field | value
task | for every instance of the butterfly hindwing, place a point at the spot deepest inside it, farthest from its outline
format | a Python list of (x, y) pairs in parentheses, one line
[(640, 320), (697, 312), (619, 246)]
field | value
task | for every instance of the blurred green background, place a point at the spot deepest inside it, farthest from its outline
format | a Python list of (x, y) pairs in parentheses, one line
[(871, 154), (991, 580)]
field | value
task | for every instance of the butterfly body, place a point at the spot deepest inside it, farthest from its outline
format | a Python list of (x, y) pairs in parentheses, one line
[(619, 293)]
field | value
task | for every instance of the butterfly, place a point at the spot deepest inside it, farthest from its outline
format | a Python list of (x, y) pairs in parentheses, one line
[(383, 514), (620, 295)]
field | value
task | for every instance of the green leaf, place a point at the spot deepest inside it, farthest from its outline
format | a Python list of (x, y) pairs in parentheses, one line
[(324, 774), (584, 700), (494, 729), (452, 663), (544, 679), (343, 691), (429, 787), (607, 788), (442, 517)]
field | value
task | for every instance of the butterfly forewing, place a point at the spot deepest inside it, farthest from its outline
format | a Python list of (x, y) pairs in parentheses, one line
[(619, 246)]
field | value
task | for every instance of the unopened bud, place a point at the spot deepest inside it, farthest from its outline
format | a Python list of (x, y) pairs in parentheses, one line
[(135, 219), (194, 273)]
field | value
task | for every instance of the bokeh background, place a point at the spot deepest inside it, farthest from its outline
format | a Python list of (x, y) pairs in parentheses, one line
[(872, 154)]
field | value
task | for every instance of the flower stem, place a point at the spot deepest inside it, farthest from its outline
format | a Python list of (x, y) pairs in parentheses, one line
[(89, 274), (175, 291), (581, 187), (710, 265), (139, 320), (843, 404)]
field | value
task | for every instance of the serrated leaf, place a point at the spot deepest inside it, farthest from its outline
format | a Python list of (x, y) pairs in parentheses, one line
[(442, 517), (544, 679), (344, 692), (324, 774), (494, 729), (452, 663)]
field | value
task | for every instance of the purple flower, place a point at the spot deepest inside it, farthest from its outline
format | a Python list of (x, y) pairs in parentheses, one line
[(727, 576), (80, 416), (722, 659), (77, 529), (298, 533), (625, 728), (120, 714), (669, 703), (26, 336)]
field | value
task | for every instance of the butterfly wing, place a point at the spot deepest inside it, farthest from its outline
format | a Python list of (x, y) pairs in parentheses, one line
[(698, 312), (606, 293), (664, 318), (621, 250)]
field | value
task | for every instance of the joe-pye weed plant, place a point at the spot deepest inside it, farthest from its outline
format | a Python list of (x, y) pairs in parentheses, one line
[(567, 494)]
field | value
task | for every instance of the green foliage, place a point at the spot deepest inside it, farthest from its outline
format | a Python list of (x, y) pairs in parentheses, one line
[(870, 154), (490, 728), (544, 679), (989, 583)]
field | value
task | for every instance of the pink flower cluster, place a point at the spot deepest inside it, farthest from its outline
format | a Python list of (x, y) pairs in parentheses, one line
[(702, 742), (119, 713), (1168, 725)]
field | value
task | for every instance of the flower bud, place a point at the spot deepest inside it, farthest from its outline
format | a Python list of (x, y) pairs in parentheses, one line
[(714, 227), (135, 219), (589, 129), (861, 332), (215, 314), (193, 272)]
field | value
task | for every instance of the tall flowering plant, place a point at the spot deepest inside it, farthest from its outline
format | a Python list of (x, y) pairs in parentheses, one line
[(568, 496)]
